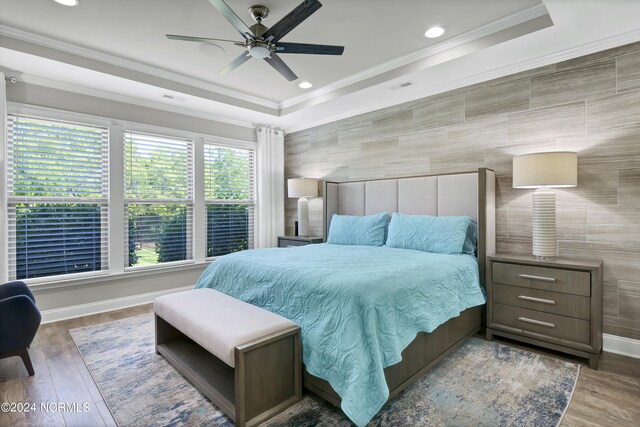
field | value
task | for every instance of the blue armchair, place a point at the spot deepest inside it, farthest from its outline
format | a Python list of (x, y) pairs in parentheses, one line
[(19, 321)]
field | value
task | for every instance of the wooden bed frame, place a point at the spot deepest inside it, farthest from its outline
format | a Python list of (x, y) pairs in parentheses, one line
[(350, 198)]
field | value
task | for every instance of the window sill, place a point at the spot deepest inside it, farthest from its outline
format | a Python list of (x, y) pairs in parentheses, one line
[(53, 284)]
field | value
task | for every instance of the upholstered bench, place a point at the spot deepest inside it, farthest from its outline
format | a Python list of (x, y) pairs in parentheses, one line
[(244, 358)]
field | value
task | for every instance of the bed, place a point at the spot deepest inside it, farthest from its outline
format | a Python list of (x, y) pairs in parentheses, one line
[(373, 318)]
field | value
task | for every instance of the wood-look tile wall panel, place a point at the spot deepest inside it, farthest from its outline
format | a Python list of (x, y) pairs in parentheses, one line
[(629, 187), (629, 72), (614, 224), (590, 105), (436, 112), (479, 133), (575, 84), (566, 120), (506, 97), (408, 167), (423, 144), (596, 57), (394, 123), (629, 305), (615, 112), (610, 300)]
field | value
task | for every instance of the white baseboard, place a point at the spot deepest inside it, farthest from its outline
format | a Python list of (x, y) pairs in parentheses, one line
[(74, 311), (621, 345)]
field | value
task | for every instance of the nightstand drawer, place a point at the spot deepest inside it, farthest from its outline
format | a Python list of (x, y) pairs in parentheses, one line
[(547, 279), (549, 302), (566, 328)]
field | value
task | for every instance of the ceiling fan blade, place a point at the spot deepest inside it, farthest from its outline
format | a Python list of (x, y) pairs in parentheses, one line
[(244, 57), (314, 49), (196, 39), (233, 19), (276, 62), (292, 19)]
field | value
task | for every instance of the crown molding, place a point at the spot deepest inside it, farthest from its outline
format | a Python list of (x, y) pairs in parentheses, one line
[(68, 87), (298, 124), (575, 52), (484, 76), (452, 43), (95, 55), (501, 24)]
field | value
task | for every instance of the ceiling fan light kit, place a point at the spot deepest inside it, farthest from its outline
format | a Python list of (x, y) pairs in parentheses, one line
[(263, 42), (260, 50)]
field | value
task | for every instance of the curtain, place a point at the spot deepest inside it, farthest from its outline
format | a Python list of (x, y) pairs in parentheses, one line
[(4, 248), (270, 186)]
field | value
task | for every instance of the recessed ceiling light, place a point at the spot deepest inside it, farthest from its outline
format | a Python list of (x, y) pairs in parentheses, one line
[(434, 32), (305, 85), (68, 2)]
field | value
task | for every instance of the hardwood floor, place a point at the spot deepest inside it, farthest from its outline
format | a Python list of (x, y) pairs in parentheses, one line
[(607, 397)]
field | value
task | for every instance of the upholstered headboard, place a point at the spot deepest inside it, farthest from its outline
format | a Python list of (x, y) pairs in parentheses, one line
[(469, 193)]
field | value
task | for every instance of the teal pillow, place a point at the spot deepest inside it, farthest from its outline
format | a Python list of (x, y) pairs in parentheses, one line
[(366, 230), (471, 240), (436, 234)]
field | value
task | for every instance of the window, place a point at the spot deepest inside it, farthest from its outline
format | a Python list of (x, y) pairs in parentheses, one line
[(158, 199), (230, 199), (70, 192), (58, 176)]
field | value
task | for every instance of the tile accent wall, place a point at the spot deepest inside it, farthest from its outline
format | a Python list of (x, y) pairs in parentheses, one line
[(590, 105)]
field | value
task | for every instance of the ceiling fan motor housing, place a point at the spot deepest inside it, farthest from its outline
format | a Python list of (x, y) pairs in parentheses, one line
[(259, 29), (259, 48)]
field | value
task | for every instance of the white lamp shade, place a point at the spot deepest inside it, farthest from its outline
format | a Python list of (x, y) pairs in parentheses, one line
[(302, 187), (551, 169)]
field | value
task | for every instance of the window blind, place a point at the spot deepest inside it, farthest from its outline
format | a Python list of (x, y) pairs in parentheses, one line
[(58, 178), (158, 199), (230, 199)]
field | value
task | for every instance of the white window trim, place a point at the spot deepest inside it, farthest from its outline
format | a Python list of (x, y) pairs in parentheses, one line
[(14, 200), (189, 203), (4, 215), (117, 200), (231, 143)]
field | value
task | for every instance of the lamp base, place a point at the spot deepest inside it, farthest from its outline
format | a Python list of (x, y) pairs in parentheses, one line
[(303, 217), (544, 224)]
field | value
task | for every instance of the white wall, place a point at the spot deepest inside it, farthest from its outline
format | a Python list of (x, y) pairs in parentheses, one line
[(54, 98)]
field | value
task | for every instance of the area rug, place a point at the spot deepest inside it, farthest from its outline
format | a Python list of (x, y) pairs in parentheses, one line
[(480, 384)]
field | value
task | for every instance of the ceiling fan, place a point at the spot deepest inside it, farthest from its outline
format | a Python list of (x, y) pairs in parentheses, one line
[(264, 43)]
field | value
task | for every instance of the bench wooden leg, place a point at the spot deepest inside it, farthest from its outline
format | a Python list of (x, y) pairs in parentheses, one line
[(165, 332), (268, 377)]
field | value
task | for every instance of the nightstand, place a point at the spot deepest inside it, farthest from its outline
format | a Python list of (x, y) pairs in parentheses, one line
[(554, 303), (288, 241)]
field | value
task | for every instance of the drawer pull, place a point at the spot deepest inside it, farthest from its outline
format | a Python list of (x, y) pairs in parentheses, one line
[(534, 299), (539, 278), (537, 322)]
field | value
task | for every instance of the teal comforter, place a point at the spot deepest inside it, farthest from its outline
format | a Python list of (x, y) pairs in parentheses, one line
[(358, 306)]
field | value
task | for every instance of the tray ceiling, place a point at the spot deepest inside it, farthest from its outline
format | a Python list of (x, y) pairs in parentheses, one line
[(118, 50)]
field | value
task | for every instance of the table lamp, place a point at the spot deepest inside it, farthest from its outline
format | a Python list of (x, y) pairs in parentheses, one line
[(303, 188), (544, 171)]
